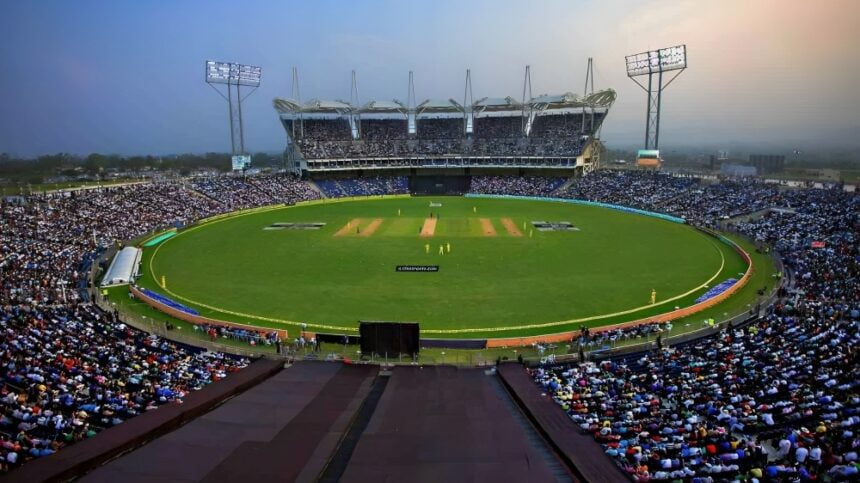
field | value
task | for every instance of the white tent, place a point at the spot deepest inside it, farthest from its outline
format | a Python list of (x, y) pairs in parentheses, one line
[(123, 268)]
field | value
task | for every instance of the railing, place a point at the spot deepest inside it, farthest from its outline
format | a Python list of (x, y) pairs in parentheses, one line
[(159, 328)]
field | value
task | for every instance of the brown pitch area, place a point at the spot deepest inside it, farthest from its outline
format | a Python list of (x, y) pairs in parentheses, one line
[(369, 229), (429, 227), (349, 227), (487, 227), (511, 227)]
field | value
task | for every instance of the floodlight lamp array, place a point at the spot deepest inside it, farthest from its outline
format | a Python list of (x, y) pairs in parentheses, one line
[(663, 60), (233, 73)]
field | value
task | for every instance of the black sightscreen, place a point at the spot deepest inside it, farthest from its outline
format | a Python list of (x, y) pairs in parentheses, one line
[(438, 185), (388, 338)]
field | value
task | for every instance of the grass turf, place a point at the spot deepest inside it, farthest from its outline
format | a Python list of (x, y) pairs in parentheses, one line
[(610, 265)]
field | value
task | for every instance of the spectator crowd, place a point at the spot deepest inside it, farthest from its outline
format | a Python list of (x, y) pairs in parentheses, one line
[(553, 135), (68, 369), (775, 400), (515, 185), (367, 186)]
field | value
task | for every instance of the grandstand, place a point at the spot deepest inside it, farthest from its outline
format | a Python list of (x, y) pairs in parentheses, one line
[(452, 287), (770, 395), (557, 132)]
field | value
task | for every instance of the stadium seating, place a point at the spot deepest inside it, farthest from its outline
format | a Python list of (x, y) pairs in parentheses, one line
[(553, 136), (370, 186), (776, 399)]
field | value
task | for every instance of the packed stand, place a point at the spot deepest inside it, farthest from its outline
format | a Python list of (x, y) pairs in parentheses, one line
[(726, 199), (241, 192), (69, 370), (775, 400), (636, 189), (553, 136), (369, 186), (515, 185)]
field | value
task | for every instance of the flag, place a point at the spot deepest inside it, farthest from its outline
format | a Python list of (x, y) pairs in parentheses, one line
[(818, 244)]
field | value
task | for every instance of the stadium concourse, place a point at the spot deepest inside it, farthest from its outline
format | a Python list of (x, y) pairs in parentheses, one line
[(773, 399)]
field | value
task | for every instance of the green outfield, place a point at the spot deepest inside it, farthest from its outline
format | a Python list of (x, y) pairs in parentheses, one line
[(501, 277)]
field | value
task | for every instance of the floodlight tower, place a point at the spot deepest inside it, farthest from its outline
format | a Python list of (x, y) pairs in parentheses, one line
[(526, 116), (411, 126), (653, 64), (589, 79), (296, 95), (354, 114), (468, 100), (234, 76)]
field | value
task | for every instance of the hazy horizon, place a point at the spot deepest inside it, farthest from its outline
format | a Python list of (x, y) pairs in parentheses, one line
[(127, 78)]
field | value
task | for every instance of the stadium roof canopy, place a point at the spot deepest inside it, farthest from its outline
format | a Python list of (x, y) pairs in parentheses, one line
[(600, 99), (439, 105), (603, 98), (497, 104), (286, 105), (290, 106), (384, 106), (319, 105)]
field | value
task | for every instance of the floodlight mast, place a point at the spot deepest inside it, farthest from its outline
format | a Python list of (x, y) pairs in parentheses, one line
[(411, 123), (526, 115), (468, 105), (653, 64), (589, 79), (234, 76), (296, 95)]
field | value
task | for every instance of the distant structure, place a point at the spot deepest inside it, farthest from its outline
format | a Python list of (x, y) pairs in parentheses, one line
[(653, 64), (737, 170), (767, 163), (537, 132), (235, 76), (649, 159)]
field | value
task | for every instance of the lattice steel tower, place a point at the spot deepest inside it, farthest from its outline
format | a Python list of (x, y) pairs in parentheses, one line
[(653, 64)]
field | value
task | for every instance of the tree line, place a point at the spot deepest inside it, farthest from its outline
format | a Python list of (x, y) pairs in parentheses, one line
[(39, 169)]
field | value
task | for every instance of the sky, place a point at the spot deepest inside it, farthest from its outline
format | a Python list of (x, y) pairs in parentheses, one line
[(126, 77)]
